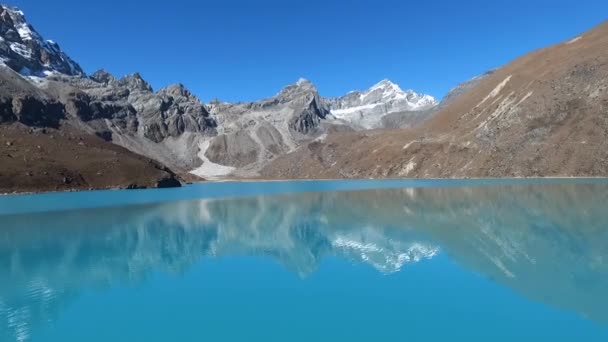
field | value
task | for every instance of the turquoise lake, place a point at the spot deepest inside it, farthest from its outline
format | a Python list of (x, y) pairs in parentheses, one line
[(400, 260)]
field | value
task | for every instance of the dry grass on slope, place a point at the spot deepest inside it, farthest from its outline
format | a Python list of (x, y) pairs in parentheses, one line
[(544, 114)]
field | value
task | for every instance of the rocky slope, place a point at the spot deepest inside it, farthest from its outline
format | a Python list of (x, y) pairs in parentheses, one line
[(252, 134), (544, 114), (162, 125)]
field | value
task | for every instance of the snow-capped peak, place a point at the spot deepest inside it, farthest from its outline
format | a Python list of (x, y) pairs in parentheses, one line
[(389, 91), (386, 84), (25, 31), (302, 81), (25, 51), (386, 256), (366, 108)]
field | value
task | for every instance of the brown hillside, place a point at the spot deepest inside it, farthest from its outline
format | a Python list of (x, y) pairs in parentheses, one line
[(544, 114), (47, 159)]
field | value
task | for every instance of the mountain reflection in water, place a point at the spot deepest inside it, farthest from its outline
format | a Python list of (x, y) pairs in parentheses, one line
[(549, 243)]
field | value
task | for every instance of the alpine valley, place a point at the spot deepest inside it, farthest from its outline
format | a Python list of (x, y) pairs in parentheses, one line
[(62, 129)]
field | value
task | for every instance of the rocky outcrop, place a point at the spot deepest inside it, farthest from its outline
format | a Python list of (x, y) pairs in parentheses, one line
[(24, 103), (129, 113), (35, 112), (309, 118), (252, 134)]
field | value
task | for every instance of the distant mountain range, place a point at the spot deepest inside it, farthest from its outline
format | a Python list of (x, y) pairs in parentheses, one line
[(502, 123)]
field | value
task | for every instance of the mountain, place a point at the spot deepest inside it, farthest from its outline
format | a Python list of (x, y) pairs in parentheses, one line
[(366, 109), (164, 125), (251, 134), (44, 148), (540, 115), (543, 114), (172, 125), (24, 50)]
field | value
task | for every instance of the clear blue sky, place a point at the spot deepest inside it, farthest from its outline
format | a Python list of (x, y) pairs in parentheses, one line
[(240, 50)]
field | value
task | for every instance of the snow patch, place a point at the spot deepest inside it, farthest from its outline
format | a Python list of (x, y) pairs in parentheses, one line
[(21, 50), (24, 30), (508, 105), (406, 146), (302, 81), (387, 260), (496, 90), (572, 41), (343, 113), (210, 169), (524, 98)]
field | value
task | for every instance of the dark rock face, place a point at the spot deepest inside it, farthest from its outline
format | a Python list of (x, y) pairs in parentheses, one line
[(34, 112), (169, 182), (88, 109), (130, 104), (25, 51), (310, 117), (133, 82), (164, 115), (31, 111), (105, 135), (6, 110), (102, 76)]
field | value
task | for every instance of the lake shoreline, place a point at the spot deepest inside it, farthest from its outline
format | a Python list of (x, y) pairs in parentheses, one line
[(269, 180)]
